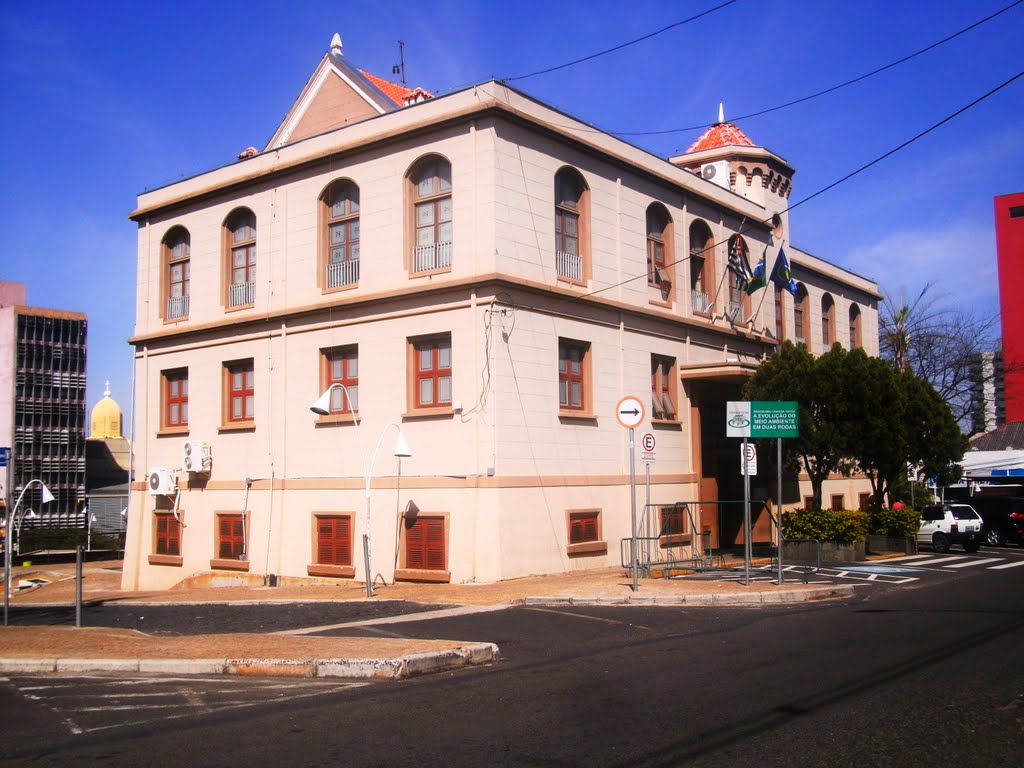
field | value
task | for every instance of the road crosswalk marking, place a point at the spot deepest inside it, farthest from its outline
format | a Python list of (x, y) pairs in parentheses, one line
[(1014, 564), (972, 563), (943, 560)]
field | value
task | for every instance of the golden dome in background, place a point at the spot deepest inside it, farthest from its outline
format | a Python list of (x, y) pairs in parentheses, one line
[(106, 418)]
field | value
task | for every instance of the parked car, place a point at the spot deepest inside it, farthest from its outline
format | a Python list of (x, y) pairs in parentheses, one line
[(1003, 517), (943, 525)]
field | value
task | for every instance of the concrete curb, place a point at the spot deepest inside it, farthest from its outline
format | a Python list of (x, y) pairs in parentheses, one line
[(790, 596), (409, 665)]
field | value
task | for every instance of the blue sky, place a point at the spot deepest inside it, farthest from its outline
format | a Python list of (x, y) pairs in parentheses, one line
[(105, 100)]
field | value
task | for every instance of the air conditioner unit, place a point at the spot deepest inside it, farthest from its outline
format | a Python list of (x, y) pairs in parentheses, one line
[(716, 173), (196, 456), (162, 482)]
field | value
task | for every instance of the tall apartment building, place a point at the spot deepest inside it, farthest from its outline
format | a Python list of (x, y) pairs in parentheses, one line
[(42, 405), (486, 277)]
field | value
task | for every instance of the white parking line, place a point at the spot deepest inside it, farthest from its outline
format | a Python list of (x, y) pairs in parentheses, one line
[(983, 561), (943, 560), (904, 558), (1015, 564)]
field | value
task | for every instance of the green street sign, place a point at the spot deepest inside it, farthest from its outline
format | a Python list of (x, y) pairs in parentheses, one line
[(762, 418)]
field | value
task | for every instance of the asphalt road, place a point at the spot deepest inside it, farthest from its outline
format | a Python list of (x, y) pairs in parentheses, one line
[(927, 673)]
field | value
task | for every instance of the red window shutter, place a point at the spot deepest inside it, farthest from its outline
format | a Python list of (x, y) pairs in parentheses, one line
[(583, 528), (424, 543)]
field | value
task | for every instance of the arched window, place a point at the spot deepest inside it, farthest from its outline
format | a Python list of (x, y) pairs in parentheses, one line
[(828, 322), (801, 315), (572, 212), (430, 184), (856, 342), (339, 209), (659, 249), (739, 259), (177, 250), (240, 237), (702, 267)]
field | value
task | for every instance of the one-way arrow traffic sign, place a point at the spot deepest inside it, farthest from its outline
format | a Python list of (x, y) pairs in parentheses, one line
[(630, 412)]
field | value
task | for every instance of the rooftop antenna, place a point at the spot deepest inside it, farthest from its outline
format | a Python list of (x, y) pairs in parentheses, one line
[(399, 68), (721, 113)]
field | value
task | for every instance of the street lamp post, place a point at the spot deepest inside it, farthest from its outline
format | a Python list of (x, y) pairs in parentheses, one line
[(29, 515), (47, 497), (322, 407)]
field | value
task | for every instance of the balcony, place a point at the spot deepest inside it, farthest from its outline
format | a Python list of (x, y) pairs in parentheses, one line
[(735, 312), (343, 273), (427, 258), (177, 306), (700, 302), (569, 265), (241, 294)]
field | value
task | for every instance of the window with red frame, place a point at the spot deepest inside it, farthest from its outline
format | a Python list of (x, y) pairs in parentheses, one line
[(231, 537), (658, 231), (167, 534), (780, 320), (572, 392), (334, 540), (838, 501), (424, 543), (584, 527), (176, 398), (864, 501), (342, 367), (433, 372), (241, 389), (673, 521)]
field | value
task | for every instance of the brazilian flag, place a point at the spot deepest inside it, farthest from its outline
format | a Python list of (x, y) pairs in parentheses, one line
[(757, 279)]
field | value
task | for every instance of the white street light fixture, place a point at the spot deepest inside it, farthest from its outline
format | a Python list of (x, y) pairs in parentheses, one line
[(322, 407), (47, 498)]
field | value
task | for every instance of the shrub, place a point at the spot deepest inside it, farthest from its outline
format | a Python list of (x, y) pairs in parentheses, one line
[(895, 522), (842, 525)]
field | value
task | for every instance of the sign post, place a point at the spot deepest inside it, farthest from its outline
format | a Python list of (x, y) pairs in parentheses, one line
[(630, 412), (761, 418)]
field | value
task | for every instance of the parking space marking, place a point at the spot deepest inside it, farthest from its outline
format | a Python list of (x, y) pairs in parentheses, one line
[(944, 560), (905, 558), (1016, 564), (972, 563)]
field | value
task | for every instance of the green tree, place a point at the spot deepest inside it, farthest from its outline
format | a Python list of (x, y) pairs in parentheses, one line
[(793, 373)]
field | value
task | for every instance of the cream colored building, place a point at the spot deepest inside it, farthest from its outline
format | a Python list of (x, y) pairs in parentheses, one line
[(487, 277)]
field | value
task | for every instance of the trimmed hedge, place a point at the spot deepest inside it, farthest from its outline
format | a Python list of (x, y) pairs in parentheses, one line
[(842, 525), (895, 522)]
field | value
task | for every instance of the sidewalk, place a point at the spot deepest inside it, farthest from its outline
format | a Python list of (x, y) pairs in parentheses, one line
[(66, 650)]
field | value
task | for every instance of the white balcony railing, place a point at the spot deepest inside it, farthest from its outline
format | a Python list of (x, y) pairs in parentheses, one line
[(241, 294), (343, 273), (569, 265), (736, 311), (699, 301), (429, 257), (177, 306)]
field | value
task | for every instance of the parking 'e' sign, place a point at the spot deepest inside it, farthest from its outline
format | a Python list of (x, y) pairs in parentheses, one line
[(762, 418)]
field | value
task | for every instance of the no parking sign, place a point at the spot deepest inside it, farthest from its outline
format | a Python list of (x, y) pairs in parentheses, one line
[(647, 444)]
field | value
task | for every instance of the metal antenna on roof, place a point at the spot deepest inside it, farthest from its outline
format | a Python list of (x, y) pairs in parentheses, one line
[(721, 113), (399, 68)]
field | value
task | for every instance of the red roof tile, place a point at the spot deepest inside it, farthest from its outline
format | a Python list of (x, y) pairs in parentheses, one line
[(720, 135), (397, 93)]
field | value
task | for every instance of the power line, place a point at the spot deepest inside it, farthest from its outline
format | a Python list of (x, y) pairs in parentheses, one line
[(623, 45), (833, 88), (836, 183)]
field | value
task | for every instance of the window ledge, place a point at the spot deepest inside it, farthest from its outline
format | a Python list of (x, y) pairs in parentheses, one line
[(675, 540), (318, 569), (666, 423), (428, 413), (422, 574), (238, 426), (666, 303), (337, 418), (340, 288), (172, 431), (166, 560), (229, 565), (239, 307), (572, 281), (430, 272), (576, 415), (175, 320), (588, 548)]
